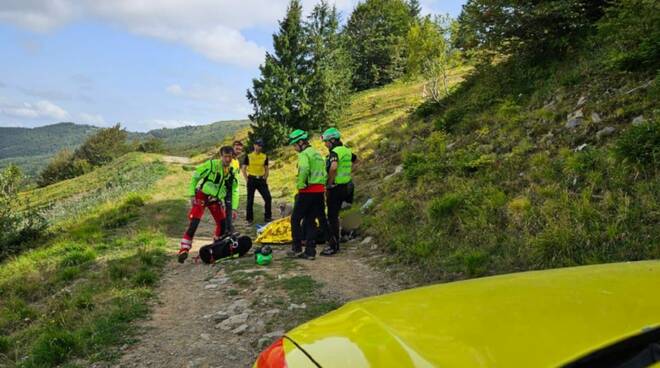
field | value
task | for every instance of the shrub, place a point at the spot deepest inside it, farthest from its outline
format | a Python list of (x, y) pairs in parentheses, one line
[(18, 226), (145, 277), (414, 166), (451, 118), (54, 347), (631, 29), (61, 167), (122, 215), (99, 149), (474, 262), (154, 145), (5, 344), (14, 313), (68, 273), (444, 206), (78, 256), (641, 145), (118, 270)]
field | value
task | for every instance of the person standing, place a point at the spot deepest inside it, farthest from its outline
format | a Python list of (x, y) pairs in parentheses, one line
[(212, 183), (237, 146), (339, 165), (255, 172), (309, 203), (238, 151)]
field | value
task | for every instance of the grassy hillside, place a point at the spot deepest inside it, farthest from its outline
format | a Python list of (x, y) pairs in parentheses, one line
[(69, 199), (524, 166), (71, 300)]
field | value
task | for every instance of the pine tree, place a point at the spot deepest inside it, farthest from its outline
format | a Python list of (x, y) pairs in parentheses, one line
[(414, 8), (375, 35), (330, 73), (279, 97)]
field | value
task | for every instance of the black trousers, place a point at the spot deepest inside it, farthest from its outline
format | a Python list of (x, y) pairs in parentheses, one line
[(254, 183), (306, 209), (336, 196)]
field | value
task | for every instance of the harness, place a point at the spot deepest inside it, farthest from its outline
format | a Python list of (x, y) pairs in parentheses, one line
[(219, 176)]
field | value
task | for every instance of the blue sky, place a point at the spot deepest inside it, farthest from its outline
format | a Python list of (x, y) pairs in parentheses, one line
[(147, 64)]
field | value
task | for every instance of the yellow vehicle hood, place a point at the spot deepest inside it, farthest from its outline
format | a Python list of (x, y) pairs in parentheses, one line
[(531, 319)]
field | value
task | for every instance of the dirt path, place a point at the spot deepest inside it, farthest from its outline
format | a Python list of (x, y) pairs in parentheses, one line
[(223, 315), (176, 160)]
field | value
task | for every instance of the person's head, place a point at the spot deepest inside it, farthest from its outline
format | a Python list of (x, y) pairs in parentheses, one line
[(238, 148), (226, 155), (299, 140), (258, 145), (331, 137)]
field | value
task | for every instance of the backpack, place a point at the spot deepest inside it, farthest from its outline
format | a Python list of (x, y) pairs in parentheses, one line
[(228, 246)]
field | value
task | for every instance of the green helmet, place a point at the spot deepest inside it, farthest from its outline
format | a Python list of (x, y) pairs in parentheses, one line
[(297, 135), (263, 255), (330, 133)]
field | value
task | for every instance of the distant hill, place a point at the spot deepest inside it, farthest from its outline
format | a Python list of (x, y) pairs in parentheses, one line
[(22, 142), (31, 148), (188, 140)]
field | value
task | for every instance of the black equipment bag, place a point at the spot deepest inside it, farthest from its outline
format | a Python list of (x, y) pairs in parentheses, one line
[(227, 246)]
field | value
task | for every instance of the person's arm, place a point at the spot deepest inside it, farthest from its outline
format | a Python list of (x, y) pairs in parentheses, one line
[(303, 171), (332, 174), (266, 169), (234, 193), (246, 162), (200, 172), (332, 170)]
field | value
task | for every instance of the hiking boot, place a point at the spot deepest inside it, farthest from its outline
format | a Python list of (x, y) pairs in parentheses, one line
[(309, 257), (328, 251), (294, 253), (183, 254)]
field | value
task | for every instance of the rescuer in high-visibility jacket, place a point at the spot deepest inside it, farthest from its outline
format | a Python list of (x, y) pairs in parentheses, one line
[(310, 202), (214, 183), (339, 187)]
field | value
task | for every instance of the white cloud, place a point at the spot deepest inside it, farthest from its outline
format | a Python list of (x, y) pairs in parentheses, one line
[(39, 110), (93, 119), (166, 123), (220, 98), (210, 27), (174, 89), (38, 15)]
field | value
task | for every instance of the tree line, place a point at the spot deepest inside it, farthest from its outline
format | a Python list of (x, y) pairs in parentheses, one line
[(316, 63)]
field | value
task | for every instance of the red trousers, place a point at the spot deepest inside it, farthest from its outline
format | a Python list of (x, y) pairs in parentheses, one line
[(200, 202)]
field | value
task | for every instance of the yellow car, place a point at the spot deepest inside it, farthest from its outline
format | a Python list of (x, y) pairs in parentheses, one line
[(591, 316)]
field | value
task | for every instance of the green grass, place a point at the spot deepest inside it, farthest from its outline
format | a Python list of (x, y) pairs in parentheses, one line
[(74, 297), (69, 199), (493, 181), (300, 290)]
